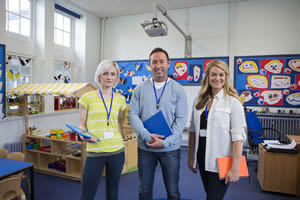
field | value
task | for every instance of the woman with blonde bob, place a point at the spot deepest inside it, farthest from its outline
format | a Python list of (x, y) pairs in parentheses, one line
[(217, 129), (102, 113)]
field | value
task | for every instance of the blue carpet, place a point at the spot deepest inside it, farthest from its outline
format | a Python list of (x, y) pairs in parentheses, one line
[(167, 199), (54, 188)]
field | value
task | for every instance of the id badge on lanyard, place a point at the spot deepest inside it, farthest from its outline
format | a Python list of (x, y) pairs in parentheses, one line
[(108, 135)]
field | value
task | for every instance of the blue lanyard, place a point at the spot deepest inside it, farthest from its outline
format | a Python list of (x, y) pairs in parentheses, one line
[(107, 113), (158, 100), (206, 112)]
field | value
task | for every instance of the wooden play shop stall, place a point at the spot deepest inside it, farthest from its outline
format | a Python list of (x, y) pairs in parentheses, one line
[(53, 156)]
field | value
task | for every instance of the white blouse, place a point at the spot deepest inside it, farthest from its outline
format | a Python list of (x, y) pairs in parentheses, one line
[(225, 124)]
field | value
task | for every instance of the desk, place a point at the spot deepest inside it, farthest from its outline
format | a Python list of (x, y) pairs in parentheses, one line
[(295, 137), (297, 140), (10, 167), (279, 172)]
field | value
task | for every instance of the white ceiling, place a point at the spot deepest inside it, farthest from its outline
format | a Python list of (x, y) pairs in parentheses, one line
[(111, 8)]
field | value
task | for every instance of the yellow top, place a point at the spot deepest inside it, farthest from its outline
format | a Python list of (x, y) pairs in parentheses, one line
[(97, 121)]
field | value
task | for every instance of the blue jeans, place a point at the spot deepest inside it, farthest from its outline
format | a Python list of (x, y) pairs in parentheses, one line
[(170, 164), (93, 171)]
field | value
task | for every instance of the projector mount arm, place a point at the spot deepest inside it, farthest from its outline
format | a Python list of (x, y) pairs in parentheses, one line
[(188, 38)]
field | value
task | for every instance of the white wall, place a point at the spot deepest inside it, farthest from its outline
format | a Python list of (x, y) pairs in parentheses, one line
[(93, 36), (84, 58), (254, 27), (125, 38)]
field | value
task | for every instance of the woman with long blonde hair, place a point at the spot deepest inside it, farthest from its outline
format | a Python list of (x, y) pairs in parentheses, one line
[(217, 129)]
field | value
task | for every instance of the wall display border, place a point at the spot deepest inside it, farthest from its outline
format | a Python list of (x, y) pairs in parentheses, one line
[(2, 82), (268, 80), (186, 71)]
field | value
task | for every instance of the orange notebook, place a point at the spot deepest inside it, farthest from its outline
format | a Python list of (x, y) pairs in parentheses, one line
[(225, 164)]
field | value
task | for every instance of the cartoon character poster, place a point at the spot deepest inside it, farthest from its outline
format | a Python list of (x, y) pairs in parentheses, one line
[(186, 71), (298, 81), (272, 97), (247, 66), (268, 80), (293, 99), (195, 73), (181, 70), (280, 82), (294, 64), (257, 81), (272, 66)]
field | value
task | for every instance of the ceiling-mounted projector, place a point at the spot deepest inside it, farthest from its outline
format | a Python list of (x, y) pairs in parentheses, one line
[(155, 28)]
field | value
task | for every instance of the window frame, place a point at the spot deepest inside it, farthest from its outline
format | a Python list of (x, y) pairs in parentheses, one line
[(71, 29), (31, 20)]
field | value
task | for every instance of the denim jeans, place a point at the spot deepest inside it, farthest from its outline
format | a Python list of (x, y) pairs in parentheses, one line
[(93, 171), (170, 164)]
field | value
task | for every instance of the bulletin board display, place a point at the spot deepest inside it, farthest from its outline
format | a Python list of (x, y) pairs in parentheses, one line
[(185, 71), (2, 81), (269, 81)]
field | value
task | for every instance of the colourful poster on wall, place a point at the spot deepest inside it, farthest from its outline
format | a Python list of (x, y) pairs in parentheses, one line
[(2, 81), (268, 80), (186, 71)]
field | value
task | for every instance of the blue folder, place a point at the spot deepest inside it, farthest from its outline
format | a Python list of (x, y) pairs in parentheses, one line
[(157, 124), (81, 132)]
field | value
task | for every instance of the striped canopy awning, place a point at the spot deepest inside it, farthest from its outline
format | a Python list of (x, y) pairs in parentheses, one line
[(54, 89)]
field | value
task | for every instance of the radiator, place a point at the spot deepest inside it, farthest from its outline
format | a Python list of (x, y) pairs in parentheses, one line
[(286, 125), (14, 147)]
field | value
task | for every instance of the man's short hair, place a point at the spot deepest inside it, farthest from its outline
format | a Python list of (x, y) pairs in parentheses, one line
[(158, 49)]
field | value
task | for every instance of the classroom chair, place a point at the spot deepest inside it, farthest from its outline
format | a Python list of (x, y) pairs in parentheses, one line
[(3, 153), (20, 157), (257, 134), (16, 156), (10, 188)]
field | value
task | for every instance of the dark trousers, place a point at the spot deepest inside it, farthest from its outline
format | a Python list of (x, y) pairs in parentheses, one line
[(170, 165), (93, 171), (214, 187)]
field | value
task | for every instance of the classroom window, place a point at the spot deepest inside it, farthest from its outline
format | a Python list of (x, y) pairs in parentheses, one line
[(18, 70), (18, 17), (62, 29)]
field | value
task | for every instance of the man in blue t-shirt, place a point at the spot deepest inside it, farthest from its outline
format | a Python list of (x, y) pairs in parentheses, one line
[(160, 93)]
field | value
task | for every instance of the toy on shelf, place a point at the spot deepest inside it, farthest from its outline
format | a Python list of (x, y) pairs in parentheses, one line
[(59, 165), (56, 133)]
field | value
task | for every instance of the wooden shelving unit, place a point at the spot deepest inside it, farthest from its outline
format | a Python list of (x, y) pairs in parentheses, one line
[(61, 149), (15, 105)]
